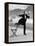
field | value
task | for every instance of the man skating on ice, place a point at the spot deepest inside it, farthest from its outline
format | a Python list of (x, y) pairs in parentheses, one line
[(22, 21)]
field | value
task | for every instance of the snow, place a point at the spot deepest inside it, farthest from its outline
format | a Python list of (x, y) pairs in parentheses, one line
[(20, 36)]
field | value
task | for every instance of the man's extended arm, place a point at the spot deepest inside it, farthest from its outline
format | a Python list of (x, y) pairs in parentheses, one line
[(24, 15), (27, 16), (21, 15)]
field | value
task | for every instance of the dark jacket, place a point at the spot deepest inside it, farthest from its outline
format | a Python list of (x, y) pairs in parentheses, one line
[(23, 19)]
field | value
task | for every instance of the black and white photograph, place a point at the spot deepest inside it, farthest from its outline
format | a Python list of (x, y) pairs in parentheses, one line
[(20, 22)]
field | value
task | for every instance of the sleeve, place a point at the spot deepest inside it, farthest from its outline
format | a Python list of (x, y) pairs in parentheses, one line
[(27, 16), (21, 15)]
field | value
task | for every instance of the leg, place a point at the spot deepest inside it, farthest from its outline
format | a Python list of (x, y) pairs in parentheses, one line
[(24, 28)]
